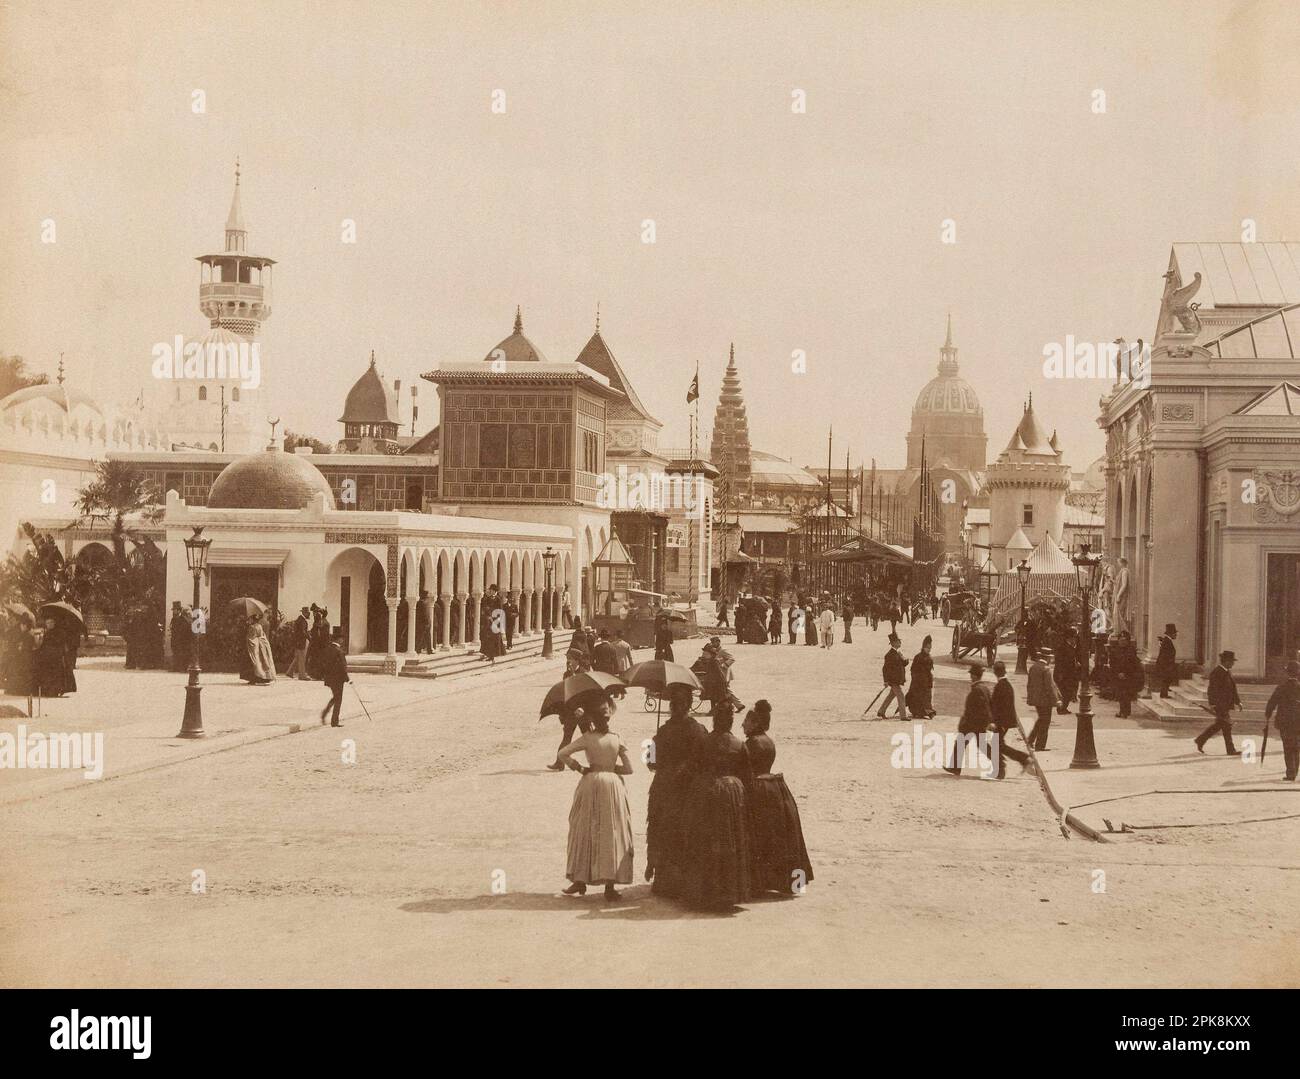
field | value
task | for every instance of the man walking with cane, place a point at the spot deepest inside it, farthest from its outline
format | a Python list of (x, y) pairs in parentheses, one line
[(334, 673), (893, 673)]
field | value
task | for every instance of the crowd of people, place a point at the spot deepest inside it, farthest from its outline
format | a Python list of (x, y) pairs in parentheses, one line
[(721, 826), (817, 619)]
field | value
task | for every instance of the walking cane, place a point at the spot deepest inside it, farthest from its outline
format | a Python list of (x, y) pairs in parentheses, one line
[(873, 701), (360, 701), (1264, 748)]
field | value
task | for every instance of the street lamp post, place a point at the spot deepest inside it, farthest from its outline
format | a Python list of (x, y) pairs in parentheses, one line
[(1022, 643), (1086, 568), (549, 558), (196, 555)]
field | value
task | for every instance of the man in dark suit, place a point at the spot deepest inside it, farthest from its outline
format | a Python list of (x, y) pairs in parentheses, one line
[(1223, 698), (301, 634), (976, 717), (1042, 696), (334, 673), (893, 673), (1166, 669), (1003, 707), (604, 656), (1285, 700)]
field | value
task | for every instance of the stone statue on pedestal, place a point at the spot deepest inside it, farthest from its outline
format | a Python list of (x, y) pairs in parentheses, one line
[(1119, 619)]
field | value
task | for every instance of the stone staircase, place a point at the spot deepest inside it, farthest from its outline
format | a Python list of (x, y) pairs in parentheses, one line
[(458, 661), (1188, 702)]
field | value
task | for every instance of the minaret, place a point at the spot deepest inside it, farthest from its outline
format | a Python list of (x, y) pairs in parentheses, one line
[(234, 286), (730, 450)]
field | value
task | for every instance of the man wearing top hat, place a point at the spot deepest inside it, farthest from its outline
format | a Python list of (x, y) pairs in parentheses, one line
[(1223, 698), (1166, 669), (894, 673)]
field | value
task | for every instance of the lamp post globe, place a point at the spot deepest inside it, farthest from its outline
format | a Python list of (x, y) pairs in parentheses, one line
[(548, 559), (196, 556), (1086, 568)]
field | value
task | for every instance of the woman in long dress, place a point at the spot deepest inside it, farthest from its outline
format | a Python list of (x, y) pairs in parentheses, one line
[(261, 665), (600, 820), (677, 744), (716, 865), (810, 616), (492, 640), (52, 672), (919, 698), (780, 857)]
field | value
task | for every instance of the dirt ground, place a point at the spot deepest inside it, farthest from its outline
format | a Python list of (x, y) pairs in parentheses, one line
[(437, 857)]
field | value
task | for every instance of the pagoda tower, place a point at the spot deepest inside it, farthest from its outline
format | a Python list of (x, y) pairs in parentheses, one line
[(729, 449)]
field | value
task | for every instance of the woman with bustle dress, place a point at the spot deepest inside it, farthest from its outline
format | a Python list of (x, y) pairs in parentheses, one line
[(677, 744), (261, 665), (716, 867), (600, 819), (779, 855), (919, 698)]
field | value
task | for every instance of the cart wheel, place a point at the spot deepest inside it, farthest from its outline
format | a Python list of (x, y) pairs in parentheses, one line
[(650, 702), (956, 641)]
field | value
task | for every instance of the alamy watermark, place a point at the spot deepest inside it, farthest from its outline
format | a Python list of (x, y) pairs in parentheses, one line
[(932, 749), (1114, 361), (630, 490), (210, 361), (81, 750)]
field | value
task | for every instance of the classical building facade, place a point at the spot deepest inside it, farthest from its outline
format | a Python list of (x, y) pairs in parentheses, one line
[(1203, 463)]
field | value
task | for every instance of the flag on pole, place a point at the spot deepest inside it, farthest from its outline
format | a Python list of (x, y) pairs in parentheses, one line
[(694, 392)]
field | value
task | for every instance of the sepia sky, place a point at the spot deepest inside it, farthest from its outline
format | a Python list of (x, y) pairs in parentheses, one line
[(778, 231)]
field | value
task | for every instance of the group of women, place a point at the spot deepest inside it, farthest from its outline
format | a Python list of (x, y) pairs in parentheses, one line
[(40, 659), (721, 826)]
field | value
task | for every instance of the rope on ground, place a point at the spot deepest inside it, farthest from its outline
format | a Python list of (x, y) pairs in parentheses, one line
[(1204, 824), (1209, 790)]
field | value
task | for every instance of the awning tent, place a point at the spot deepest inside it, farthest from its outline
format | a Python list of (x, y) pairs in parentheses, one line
[(866, 549), (1052, 575)]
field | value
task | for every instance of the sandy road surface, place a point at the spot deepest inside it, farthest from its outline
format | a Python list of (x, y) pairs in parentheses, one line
[(382, 872)]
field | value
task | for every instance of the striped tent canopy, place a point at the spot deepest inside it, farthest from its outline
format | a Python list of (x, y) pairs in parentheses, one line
[(1053, 577)]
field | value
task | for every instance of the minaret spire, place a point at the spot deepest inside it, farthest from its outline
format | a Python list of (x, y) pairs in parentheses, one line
[(948, 354), (598, 316), (236, 232)]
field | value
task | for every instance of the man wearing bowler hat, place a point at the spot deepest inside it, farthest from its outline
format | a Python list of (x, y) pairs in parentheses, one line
[(1223, 698)]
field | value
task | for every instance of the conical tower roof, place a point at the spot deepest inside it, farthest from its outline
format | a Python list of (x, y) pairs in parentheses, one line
[(369, 400), (1029, 438)]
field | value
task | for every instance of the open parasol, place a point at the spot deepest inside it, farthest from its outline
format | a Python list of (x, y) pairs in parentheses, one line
[(65, 611), (19, 610), (565, 692), (246, 606), (660, 675)]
